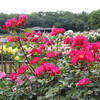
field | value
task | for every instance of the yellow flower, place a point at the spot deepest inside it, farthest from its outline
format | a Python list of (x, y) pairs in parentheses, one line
[(0, 51), (24, 46), (0, 48), (5, 49), (17, 58), (16, 49), (9, 49), (12, 51)]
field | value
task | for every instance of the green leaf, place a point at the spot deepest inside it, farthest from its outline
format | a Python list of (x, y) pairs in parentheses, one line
[(28, 30), (39, 98), (12, 44), (40, 61), (96, 89), (49, 94), (55, 90), (30, 96), (89, 92), (1, 92), (63, 98), (17, 44), (13, 31), (8, 44), (68, 96), (24, 35)]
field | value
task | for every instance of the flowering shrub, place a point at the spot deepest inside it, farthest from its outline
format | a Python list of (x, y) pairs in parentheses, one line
[(57, 67)]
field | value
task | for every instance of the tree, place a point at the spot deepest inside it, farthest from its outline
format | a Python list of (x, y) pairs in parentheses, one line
[(95, 19)]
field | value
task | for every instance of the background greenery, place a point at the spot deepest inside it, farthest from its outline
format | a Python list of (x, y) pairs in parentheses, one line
[(62, 19)]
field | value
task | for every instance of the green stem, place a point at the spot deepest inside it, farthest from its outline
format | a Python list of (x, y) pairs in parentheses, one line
[(26, 57), (57, 53)]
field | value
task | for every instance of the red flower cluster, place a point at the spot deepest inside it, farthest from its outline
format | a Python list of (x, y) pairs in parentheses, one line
[(81, 55), (23, 69), (33, 33), (68, 40), (49, 43), (14, 22), (35, 39), (53, 54), (44, 39), (98, 58), (85, 51), (80, 41), (42, 47), (84, 81), (57, 31), (47, 66), (13, 39), (35, 60), (96, 47), (14, 75), (38, 50)]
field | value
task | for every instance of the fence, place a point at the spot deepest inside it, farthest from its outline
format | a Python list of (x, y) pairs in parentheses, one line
[(8, 66)]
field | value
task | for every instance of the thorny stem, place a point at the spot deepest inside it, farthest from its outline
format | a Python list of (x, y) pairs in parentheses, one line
[(79, 72), (57, 53), (58, 93), (78, 76), (31, 69), (26, 57)]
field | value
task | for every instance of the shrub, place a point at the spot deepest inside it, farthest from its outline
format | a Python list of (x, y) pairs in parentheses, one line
[(55, 69)]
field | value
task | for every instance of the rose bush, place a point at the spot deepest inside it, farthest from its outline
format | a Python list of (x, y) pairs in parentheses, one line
[(57, 67)]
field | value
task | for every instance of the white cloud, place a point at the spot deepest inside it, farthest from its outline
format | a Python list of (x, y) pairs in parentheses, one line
[(29, 6)]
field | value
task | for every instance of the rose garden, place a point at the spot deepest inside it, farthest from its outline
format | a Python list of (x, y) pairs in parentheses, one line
[(57, 66)]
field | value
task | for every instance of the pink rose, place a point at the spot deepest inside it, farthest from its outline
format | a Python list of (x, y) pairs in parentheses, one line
[(2, 75), (27, 34), (14, 76), (84, 81), (20, 82), (23, 69), (35, 60), (31, 77), (39, 71), (51, 54), (14, 89)]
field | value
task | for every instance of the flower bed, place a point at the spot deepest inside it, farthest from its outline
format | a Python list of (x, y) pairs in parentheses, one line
[(58, 67)]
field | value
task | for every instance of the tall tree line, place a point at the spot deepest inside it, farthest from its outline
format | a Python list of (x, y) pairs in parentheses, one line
[(62, 19)]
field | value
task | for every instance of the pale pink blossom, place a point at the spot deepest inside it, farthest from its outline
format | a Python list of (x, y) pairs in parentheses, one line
[(31, 77), (14, 89), (20, 82), (2, 75)]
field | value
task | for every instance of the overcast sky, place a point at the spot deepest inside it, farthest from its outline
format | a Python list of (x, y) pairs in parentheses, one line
[(29, 6)]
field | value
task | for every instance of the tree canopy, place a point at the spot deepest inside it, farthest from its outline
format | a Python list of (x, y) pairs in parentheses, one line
[(61, 19)]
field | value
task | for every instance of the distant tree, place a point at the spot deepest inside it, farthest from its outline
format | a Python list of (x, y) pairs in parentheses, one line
[(61, 19), (95, 19)]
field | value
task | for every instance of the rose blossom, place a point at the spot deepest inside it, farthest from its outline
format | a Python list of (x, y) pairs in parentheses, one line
[(84, 81), (31, 77), (51, 54), (14, 76), (23, 69), (14, 89), (2, 75), (35, 60)]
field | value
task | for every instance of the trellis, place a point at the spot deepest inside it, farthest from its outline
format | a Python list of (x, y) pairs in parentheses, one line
[(8, 66)]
